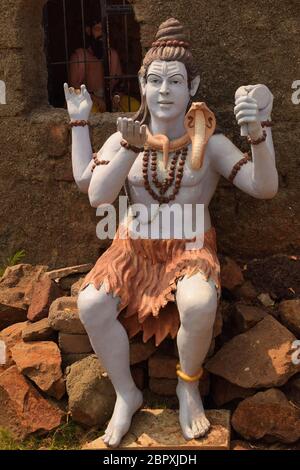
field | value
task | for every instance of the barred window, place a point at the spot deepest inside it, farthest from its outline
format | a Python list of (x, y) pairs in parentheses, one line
[(96, 43)]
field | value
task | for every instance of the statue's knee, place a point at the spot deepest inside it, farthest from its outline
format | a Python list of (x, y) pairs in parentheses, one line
[(92, 307), (198, 309)]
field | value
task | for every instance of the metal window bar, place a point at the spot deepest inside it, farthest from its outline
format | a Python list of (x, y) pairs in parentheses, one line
[(107, 10)]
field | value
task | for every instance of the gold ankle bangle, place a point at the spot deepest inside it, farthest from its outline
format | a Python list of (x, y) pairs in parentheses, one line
[(188, 378)]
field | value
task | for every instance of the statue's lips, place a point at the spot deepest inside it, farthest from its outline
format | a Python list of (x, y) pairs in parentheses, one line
[(165, 102)]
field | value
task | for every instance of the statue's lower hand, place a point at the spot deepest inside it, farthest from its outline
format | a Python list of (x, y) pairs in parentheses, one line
[(133, 132), (79, 102)]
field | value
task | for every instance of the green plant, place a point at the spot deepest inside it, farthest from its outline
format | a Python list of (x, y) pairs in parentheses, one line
[(12, 260)]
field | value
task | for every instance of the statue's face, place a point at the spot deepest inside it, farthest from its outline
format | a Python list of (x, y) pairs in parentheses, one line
[(166, 89)]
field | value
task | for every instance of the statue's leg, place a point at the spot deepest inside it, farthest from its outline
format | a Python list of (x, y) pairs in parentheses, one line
[(197, 304), (98, 312)]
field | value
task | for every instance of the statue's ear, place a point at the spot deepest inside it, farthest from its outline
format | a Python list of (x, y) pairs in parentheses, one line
[(142, 81), (195, 85)]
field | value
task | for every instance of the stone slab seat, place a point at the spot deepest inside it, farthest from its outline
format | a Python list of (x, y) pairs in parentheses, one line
[(159, 429)]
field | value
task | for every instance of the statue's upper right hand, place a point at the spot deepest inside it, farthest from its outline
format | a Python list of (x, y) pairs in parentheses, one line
[(79, 102)]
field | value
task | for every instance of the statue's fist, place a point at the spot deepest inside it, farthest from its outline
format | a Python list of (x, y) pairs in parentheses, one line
[(132, 131), (253, 104), (79, 102)]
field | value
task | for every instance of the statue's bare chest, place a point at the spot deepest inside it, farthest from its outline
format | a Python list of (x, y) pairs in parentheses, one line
[(156, 170)]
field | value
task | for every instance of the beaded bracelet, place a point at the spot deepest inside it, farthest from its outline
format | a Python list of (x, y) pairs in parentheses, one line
[(79, 123), (259, 140), (267, 123), (128, 146), (246, 158)]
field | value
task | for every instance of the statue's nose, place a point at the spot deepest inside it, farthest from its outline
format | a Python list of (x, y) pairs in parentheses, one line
[(164, 87)]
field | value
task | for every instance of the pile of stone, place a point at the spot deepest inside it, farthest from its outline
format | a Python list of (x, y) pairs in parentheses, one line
[(252, 367)]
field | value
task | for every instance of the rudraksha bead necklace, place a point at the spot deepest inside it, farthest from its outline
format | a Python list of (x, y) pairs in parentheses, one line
[(175, 173)]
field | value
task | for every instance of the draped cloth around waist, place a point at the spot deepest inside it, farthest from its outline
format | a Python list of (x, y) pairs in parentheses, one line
[(143, 273)]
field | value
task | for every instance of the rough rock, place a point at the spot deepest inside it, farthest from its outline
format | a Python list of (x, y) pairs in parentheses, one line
[(74, 344), (91, 394), (240, 445), (267, 415), (76, 287), (11, 336), (64, 316), (70, 270), (139, 376), (246, 316), (160, 429), (23, 410), (140, 351), (292, 390), (218, 325), (231, 274), (259, 358), (162, 366), (289, 311), (38, 331), (16, 287), (246, 291), (41, 362), (45, 291), (69, 359), (223, 392)]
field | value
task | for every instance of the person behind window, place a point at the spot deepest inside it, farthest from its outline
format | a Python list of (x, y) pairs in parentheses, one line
[(86, 66)]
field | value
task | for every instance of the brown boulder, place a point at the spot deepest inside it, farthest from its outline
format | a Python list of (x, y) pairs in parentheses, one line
[(140, 351), (289, 311), (245, 317), (38, 331), (23, 410), (223, 392), (261, 357), (240, 445), (246, 291), (70, 270), (16, 287), (91, 394), (292, 390), (75, 287), (45, 291), (74, 344), (64, 316), (162, 366), (267, 415), (41, 362), (69, 359), (231, 274), (218, 325)]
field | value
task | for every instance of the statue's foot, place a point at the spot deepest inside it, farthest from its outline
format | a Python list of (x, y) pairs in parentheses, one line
[(192, 418), (125, 407)]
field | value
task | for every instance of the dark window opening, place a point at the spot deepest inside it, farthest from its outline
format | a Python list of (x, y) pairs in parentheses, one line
[(96, 43)]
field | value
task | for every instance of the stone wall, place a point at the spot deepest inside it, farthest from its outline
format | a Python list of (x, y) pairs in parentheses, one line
[(234, 43)]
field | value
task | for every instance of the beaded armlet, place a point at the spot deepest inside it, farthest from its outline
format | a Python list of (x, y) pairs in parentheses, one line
[(98, 162)]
